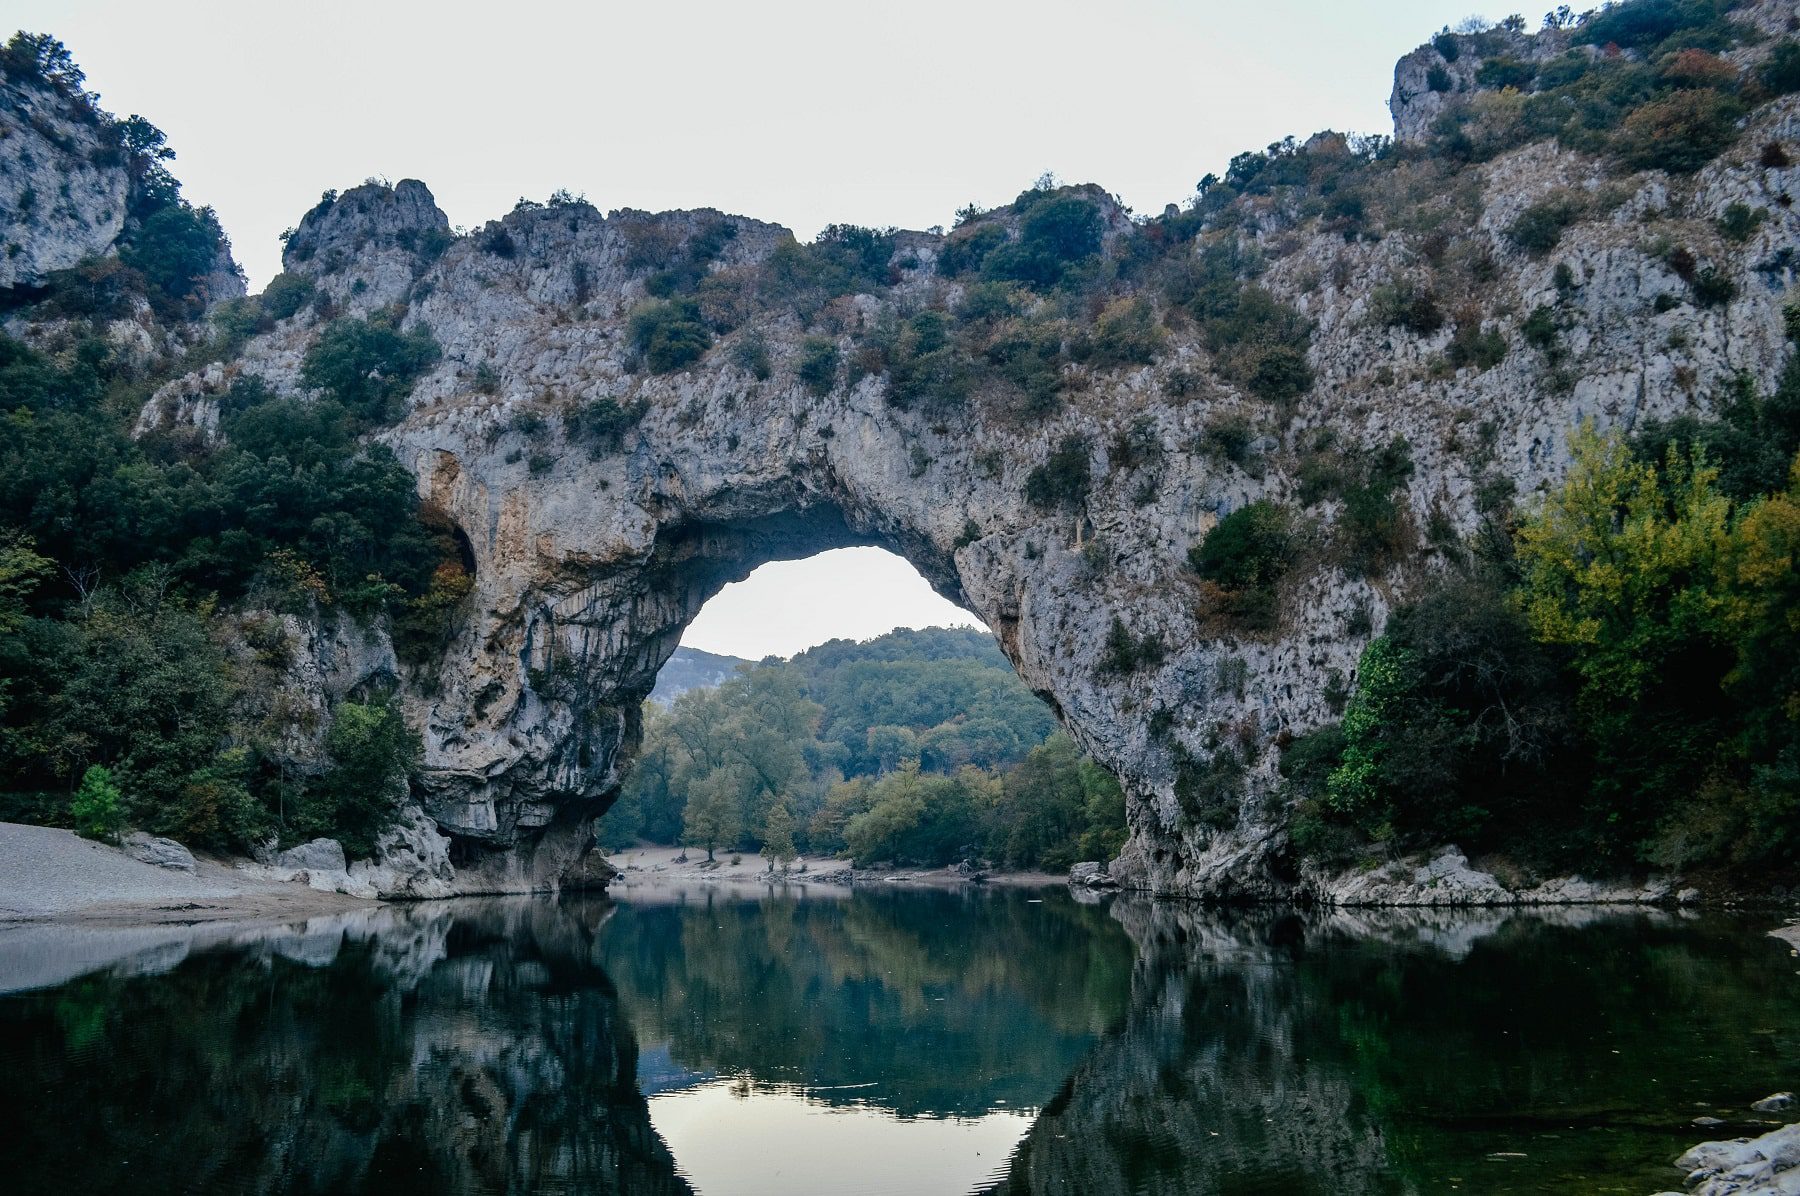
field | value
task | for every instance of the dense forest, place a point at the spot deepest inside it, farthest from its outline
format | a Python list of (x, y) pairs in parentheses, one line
[(918, 747)]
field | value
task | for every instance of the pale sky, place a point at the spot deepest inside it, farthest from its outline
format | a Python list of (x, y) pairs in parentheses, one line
[(848, 593), (802, 112)]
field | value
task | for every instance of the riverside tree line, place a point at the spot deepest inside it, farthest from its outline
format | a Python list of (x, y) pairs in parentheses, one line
[(918, 747)]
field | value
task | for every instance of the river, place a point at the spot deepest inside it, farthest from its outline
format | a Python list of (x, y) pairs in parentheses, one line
[(886, 1043)]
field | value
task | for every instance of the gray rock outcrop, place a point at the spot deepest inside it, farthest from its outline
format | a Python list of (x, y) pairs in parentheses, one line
[(590, 560), (164, 853), (1091, 874), (63, 187)]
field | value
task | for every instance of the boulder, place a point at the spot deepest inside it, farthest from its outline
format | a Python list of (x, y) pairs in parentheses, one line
[(164, 853), (1092, 874), (322, 855), (1780, 1102)]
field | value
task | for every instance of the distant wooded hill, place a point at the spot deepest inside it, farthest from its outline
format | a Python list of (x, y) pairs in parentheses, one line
[(691, 668), (916, 746)]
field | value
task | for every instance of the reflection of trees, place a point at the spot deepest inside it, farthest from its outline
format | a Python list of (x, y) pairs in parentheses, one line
[(481, 1047), (1318, 1055), (952, 1001), (475, 1048)]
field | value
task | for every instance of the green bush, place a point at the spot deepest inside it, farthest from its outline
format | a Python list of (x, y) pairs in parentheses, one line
[(1057, 233), (1372, 525), (1126, 332), (751, 354), (1652, 25), (695, 261), (603, 422), (1064, 478), (1126, 653), (1740, 222), (1230, 438), (1256, 340), (1470, 345), (285, 295), (1210, 791), (1539, 228), (923, 364), (965, 250), (103, 288), (818, 368), (1781, 73), (368, 366), (1542, 330), (1506, 72), (372, 754), (96, 808), (1246, 555), (669, 334), (175, 248), (1680, 133), (844, 260), (1407, 304), (1712, 287)]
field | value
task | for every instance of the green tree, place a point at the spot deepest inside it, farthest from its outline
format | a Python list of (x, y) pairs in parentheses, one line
[(778, 834), (21, 572), (96, 807), (373, 753), (670, 334), (714, 815)]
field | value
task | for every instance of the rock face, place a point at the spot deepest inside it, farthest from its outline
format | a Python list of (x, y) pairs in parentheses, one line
[(592, 550), (1445, 878), (58, 179)]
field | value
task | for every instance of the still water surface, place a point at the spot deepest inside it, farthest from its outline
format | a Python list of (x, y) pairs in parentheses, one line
[(887, 1043)]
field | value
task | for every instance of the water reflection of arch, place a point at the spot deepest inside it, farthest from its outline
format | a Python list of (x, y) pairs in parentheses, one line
[(456, 1047)]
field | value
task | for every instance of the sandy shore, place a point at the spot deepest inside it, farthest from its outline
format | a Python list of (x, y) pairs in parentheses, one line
[(651, 866), (55, 875), (49, 875)]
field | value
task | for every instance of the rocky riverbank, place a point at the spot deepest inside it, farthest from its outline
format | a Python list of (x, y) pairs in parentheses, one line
[(1446, 878), (674, 867), (1764, 1166), (54, 875)]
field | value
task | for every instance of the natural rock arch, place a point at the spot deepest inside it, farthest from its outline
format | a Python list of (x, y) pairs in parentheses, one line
[(576, 610), (591, 552), (601, 503)]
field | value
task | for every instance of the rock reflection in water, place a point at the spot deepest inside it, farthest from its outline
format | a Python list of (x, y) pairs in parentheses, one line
[(448, 1048), (493, 1047), (1415, 1052)]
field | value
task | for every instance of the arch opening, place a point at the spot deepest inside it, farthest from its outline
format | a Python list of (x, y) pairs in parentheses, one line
[(838, 709)]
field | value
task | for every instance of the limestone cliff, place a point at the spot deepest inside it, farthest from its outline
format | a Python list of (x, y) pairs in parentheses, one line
[(602, 502)]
